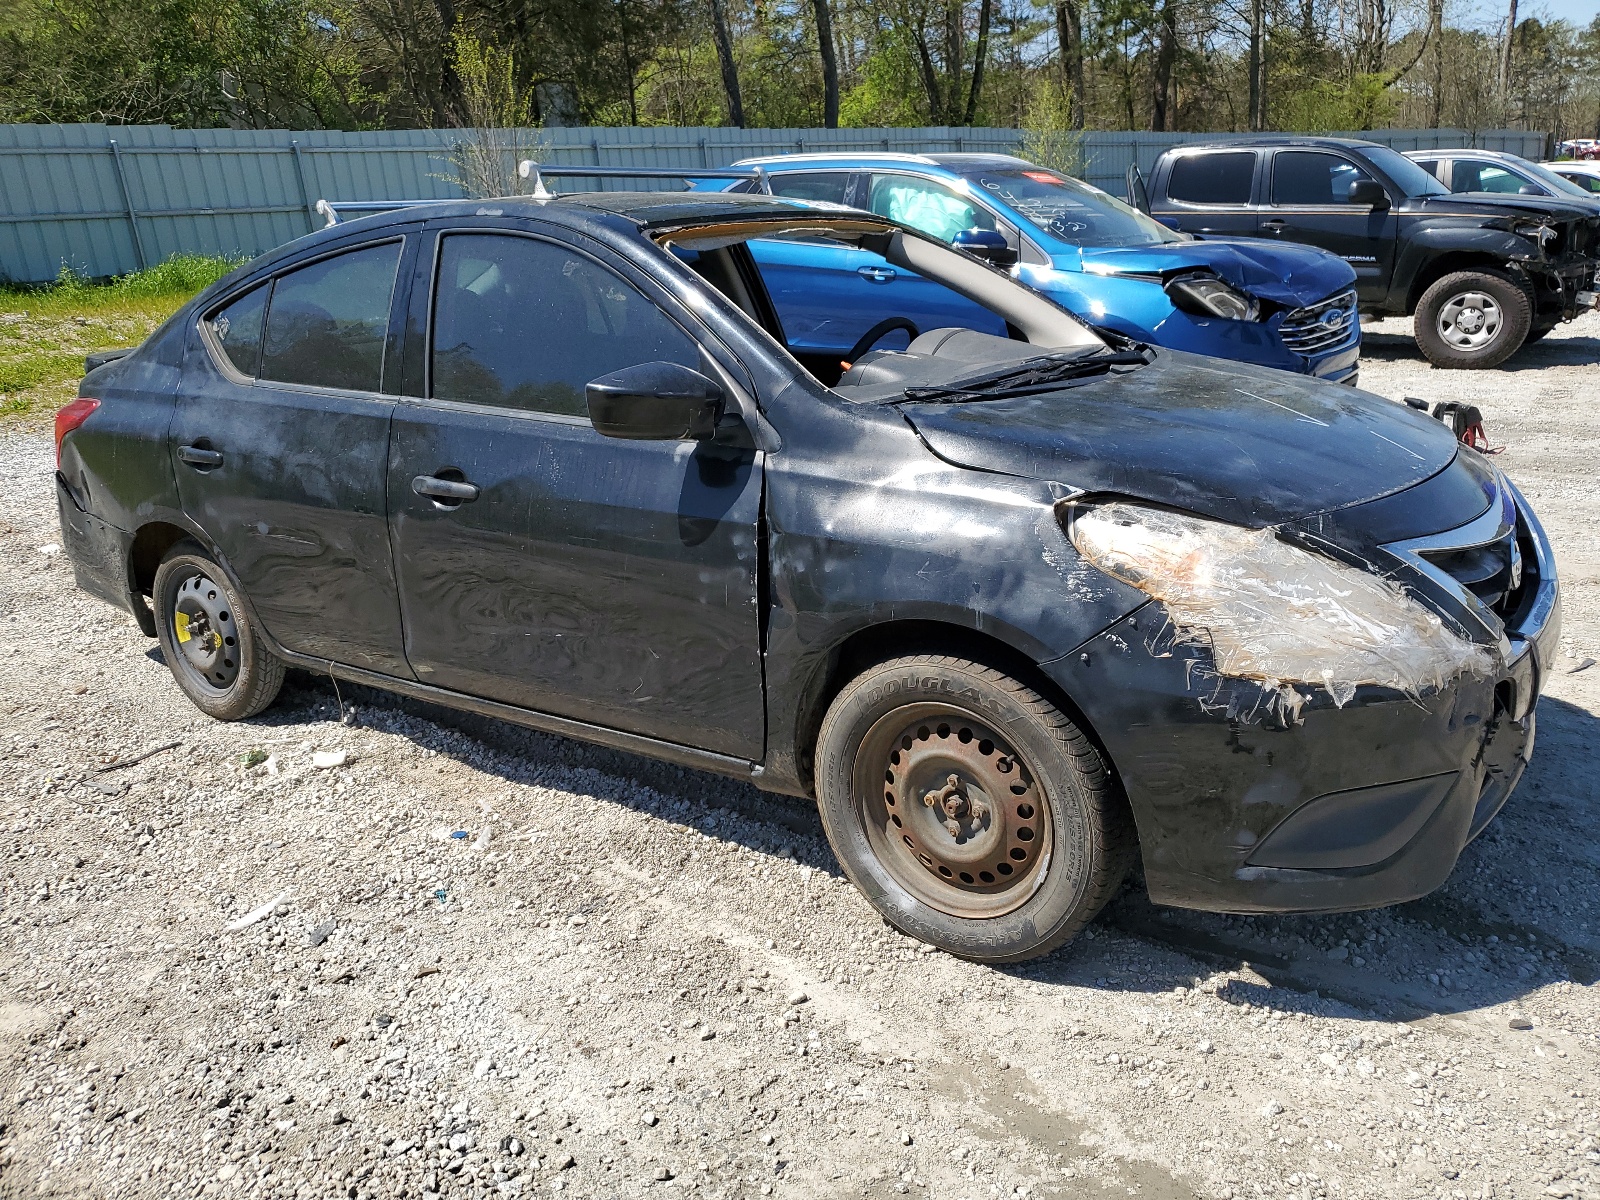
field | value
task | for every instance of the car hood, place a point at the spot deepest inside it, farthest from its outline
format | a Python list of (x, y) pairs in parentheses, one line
[(1502, 204), (1243, 444), (1287, 275)]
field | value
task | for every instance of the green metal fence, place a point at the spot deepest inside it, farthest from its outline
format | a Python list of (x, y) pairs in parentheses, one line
[(106, 199)]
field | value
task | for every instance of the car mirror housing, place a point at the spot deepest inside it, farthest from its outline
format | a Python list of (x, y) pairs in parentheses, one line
[(985, 244), (1368, 192), (655, 402)]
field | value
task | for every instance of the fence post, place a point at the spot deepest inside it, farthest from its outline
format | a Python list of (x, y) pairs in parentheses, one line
[(704, 161), (300, 173), (127, 200)]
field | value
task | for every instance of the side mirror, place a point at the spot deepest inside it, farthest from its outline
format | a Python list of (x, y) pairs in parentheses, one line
[(1529, 189), (655, 402), (985, 244), (1368, 193)]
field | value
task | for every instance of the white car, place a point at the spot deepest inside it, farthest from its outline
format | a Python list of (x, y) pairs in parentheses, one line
[(1583, 172)]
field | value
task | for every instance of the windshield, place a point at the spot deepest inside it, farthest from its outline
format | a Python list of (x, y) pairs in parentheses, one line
[(1562, 187), (1410, 178), (1070, 210)]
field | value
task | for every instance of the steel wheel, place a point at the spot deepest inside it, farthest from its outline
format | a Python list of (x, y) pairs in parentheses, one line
[(958, 818), (1470, 320), (206, 632)]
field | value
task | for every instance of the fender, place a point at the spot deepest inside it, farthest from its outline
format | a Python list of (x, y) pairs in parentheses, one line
[(1465, 236)]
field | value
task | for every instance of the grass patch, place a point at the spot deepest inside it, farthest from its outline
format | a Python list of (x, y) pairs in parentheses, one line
[(46, 331)]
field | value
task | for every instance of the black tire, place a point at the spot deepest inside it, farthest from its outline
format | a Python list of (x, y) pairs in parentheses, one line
[(1471, 320), (1032, 788), (208, 641)]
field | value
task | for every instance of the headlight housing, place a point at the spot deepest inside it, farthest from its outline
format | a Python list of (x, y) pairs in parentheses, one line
[(1536, 231), (1272, 612), (1206, 295)]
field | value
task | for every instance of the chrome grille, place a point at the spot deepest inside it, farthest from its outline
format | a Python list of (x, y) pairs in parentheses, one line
[(1492, 571), (1319, 327)]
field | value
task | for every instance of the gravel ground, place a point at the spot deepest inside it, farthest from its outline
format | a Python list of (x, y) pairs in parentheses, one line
[(460, 957)]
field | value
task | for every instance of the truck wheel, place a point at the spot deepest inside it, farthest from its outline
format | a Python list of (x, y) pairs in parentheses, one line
[(208, 641), (971, 812), (1472, 319)]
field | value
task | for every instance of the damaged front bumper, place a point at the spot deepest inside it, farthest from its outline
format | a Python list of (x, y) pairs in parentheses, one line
[(1243, 806)]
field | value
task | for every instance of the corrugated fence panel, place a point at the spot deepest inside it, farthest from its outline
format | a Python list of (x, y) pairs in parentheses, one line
[(106, 200)]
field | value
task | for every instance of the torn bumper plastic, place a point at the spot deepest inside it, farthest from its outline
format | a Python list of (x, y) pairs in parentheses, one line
[(1243, 806)]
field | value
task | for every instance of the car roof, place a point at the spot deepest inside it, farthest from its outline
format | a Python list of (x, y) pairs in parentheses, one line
[(1467, 152), (1579, 165), (1281, 140), (953, 163)]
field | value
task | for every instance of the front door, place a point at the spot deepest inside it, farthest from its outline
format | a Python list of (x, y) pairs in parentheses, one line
[(280, 440), (1309, 202), (614, 582)]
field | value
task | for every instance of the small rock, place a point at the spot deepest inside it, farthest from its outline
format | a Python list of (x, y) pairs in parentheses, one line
[(325, 760), (482, 1067), (1520, 1023), (649, 1118), (1205, 1046), (50, 549), (1339, 953), (1271, 1108), (338, 1117), (228, 1171), (315, 937), (513, 1146), (767, 1139), (905, 1138), (566, 1162), (796, 998), (707, 1034), (662, 1175)]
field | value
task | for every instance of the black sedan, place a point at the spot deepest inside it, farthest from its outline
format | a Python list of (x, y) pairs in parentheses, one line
[(1013, 609)]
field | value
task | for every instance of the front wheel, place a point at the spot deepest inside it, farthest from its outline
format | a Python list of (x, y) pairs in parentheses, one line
[(208, 641), (1470, 320), (971, 812)]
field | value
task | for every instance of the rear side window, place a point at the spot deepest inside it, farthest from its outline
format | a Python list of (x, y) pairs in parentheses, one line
[(328, 322), (830, 186), (1312, 177), (522, 323), (1480, 176), (237, 328), (1222, 178)]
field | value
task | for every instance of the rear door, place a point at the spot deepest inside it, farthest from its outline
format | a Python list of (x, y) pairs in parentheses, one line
[(1308, 202), (613, 582), (1211, 192), (280, 446)]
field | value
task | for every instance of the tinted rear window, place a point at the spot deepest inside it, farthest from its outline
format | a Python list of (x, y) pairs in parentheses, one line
[(328, 322), (812, 185), (238, 328), (1213, 178)]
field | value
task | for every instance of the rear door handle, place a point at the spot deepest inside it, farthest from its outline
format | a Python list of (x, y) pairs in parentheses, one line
[(199, 456), (876, 274), (445, 491), (1274, 225)]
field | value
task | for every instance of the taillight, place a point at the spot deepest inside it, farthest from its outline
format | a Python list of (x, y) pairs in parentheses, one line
[(70, 417)]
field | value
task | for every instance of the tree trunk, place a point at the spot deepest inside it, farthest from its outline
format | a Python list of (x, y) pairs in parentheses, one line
[(1166, 56), (1069, 36), (730, 71), (830, 65), (1258, 65), (450, 104), (1505, 57), (985, 13), (628, 64), (930, 75)]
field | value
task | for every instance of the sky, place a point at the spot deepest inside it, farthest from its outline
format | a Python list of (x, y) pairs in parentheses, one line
[(1578, 12)]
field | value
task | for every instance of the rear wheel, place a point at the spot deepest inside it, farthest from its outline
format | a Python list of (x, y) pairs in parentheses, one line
[(209, 643), (969, 810), (1472, 320)]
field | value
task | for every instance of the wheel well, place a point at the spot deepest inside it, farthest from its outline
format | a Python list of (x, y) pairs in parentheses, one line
[(1448, 264), (150, 546), (880, 643)]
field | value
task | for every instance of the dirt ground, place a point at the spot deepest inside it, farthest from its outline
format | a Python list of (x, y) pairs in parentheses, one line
[(492, 960)]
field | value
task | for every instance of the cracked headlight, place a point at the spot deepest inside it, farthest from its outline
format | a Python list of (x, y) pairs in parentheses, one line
[(1206, 296), (1536, 232), (1272, 612)]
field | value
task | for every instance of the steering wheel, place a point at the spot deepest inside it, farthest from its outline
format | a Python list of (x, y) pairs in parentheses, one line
[(873, 336)]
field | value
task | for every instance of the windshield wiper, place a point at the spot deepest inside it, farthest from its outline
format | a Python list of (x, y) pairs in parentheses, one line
[(1046, 373)]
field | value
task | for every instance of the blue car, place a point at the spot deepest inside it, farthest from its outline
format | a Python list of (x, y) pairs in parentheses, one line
[(1286, 306)]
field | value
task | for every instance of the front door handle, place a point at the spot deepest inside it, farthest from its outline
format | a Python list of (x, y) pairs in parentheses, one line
[(1274, 225), (876, 274), (445, 491), (199, 456)]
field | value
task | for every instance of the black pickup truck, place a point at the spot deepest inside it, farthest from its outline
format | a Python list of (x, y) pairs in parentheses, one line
[(1483, 274)]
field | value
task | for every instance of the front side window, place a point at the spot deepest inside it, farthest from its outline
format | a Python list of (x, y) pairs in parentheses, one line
[(829, 186), (1221, 178), (1312, 177), (526, 324), (237, 328), (933, 208), (1480, 176), (328, 322)]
